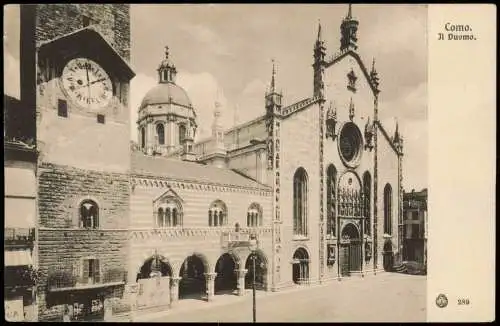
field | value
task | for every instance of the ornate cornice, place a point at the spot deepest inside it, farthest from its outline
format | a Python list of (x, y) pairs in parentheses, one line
[(165, 182), (181, 232), (298, 106)]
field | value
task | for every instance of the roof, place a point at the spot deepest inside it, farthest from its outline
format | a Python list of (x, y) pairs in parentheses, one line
[(189, 171), (166, 93), (76, 43)]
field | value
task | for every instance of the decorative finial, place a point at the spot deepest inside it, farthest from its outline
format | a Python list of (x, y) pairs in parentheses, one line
[(373, 64), (166, 52), (273, 77), (349, 13), (319, 29)]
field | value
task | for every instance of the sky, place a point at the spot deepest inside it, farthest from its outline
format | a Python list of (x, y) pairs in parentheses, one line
[(224, 53)]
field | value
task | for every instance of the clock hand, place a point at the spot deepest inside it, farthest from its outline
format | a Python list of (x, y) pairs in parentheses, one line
[(91, 83), (88, 80)]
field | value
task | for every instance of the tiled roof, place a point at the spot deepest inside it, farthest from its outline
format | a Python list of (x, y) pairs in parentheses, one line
[(190, 171)]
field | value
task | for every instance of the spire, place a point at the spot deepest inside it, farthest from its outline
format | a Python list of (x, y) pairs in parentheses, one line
[(319, 39), (348, 28), (166, 52), (374, 75), (273, 83)]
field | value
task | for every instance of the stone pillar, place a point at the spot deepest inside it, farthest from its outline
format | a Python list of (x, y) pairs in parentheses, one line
[(210, 278), (241, 281), (174, 290), (132, 293), (108, 311)]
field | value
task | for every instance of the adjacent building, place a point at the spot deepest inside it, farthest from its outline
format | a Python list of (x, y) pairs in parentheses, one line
[(415, 226), (20, 212)]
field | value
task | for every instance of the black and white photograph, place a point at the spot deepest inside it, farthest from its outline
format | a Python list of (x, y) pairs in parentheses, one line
[(216, 163)]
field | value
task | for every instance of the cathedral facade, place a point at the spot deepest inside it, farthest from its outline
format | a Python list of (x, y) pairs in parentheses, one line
[(306, 193)]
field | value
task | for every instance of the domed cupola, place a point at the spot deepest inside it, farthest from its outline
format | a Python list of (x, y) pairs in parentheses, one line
[(166, 113)]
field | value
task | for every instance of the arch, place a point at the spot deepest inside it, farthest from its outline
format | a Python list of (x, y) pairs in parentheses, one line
[(192, 274), (217, 213), (331, 200), (350, 231), (261, 270), (172, 211), (160, 132), (388, 209), (154, 265), (143, 137), (300, 267), (254, 215), (367, 184), (300, 202), (226, 279), (88, 214), (160, 218)]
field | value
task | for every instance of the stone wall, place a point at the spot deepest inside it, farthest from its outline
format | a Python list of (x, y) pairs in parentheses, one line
[(112, 20), (62, 245), (62, 188)]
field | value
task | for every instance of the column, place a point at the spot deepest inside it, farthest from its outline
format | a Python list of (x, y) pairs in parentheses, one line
[(174, 290), (210, 279), (108, 312), (241, 281)]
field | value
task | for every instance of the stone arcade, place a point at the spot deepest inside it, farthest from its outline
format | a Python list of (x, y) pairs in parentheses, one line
[(145, 225)]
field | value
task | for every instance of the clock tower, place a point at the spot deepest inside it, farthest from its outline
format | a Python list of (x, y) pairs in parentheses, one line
[(83, 136)]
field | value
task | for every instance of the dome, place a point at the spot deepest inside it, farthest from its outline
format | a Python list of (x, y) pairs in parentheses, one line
[(166, 93)]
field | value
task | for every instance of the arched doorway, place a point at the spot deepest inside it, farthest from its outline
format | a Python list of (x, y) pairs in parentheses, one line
[(226, 280), (154, 283), (351, 246), (388, 255), (300, 266), (192, 283), (260, 271), (154, 266)]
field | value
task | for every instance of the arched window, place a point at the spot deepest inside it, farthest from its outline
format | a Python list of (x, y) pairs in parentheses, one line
[(89, 214), (300, 202), (217, 214), (331, 183), (159, 218), (254, 215), (160, 132), (182, 133), (388, 209), (367, 184), (143, 137), (169, 213)]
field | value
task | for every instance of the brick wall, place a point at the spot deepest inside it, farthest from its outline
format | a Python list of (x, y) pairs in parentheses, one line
[(54, 20)]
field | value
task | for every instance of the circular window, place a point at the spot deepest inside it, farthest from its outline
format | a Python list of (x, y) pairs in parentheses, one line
[(350, 143)]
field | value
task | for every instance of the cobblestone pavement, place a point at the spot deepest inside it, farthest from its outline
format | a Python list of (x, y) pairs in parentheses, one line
[(385, 297)]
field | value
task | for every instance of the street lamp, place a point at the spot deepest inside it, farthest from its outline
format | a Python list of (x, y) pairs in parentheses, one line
[(253, 249)]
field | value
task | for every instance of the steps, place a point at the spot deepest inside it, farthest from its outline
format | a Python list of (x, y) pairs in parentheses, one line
[(401, 268)]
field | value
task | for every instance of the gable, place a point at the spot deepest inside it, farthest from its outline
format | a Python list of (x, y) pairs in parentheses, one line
[(339, 92), (170, 194)]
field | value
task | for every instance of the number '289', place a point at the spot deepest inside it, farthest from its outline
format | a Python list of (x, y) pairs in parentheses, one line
[(463, 301)]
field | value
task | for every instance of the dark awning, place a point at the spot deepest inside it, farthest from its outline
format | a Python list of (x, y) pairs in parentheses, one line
[(90, 43)]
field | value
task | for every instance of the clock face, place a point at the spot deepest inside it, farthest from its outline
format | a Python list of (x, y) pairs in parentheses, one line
[(87, 84)]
